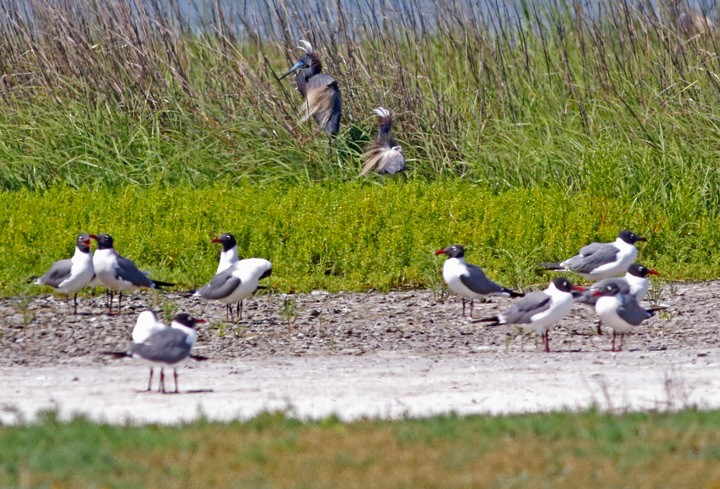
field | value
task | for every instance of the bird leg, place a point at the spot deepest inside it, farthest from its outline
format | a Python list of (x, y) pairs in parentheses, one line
[(119, 301), (547, 340), (161, 386), (613, 343), (463, 299), (175, 377), (75, 302), (472, 305), (599, 328), (228, 312), (149, 387), (110, 301)]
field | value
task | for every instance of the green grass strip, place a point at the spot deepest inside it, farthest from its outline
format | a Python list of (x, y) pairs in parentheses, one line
[(347, 236), (588, 449)]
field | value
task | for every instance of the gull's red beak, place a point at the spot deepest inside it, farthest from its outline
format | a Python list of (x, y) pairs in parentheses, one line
[(440, 252)]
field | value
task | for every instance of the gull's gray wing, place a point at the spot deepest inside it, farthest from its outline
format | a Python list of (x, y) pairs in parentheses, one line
[(168, 346), (591, 257), (523, 310), (478, 282), (127, 270), (58, 273), (221, 285), (631, 312)]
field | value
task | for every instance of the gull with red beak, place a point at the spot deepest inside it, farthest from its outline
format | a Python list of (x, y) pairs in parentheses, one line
[(229, 254), (70, 275), (467, 280), (597, 261), (539, 311), (635, 283)]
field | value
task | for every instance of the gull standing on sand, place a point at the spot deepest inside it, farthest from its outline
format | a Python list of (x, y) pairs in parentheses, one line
[(538, 311), (166, 347), (597, 261), (467, 280), (635, 282), (117, 272), (70, 275), (619, 311), (236, 283)]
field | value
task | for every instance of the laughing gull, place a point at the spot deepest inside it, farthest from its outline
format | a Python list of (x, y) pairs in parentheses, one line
[(117, 272), (597, 261), (167, 347), (70, 275), (147, 324), (539, 310), (229, 254), (635, 282), (236, 283), (619, 311), (467, 280)]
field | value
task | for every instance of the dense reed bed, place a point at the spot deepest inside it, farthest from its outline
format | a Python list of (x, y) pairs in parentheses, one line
[(614, 98)]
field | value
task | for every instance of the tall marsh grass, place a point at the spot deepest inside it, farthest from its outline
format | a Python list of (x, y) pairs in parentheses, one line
[(612, 98)]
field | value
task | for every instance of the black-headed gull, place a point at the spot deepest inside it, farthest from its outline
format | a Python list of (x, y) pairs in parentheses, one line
[(538, 311), (236, 283), (635, 282), (70, 275), (467, 280), (619, 311), (166, 347), (117, 272), (229, 254), (597, 261)]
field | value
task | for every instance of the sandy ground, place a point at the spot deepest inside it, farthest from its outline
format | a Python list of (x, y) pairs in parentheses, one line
[(373, 355)]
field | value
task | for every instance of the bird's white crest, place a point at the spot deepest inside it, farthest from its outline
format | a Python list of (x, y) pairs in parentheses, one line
[(305, 46), (382, 111)]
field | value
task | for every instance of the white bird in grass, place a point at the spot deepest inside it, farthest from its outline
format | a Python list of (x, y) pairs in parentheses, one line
[(383, 154)]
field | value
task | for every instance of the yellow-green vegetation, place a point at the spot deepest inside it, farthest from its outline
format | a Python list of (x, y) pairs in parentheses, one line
[(351, 236), (563, 450)]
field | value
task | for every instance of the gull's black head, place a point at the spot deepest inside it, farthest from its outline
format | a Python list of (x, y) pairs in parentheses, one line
[(82, 242), (187, 320), (453, 251), (104, 241), (640, 270), (564, 285), (629, 237), (610, 290), (227, 240)]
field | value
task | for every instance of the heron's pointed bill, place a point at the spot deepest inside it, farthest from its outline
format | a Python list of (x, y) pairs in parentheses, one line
[(295, 67)]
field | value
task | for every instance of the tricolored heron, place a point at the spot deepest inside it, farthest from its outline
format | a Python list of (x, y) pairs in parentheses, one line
[(383, 154), (320, 91)]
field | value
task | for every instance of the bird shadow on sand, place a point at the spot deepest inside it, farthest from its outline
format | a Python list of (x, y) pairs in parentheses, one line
[(191, 391)]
